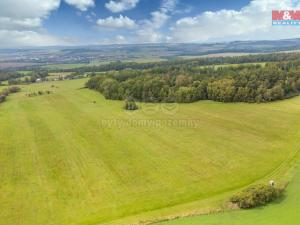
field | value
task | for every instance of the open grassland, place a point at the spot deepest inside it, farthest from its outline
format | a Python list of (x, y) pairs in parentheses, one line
[(66, 160), (283, 211)]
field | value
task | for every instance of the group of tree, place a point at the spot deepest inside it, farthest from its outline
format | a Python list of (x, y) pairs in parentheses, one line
[(256, 195), (130, 105), (8, 91), (4, 76), (241, 83), (30, 77), (74, 75)]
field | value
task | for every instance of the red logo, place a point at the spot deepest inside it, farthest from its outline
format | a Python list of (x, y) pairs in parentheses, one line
[(286, 15)]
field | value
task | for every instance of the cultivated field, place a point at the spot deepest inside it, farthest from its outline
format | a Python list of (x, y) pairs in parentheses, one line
[(72, 157)]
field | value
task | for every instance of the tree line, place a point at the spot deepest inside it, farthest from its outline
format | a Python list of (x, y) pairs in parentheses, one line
[(241, 83), (14, 78), (118, 66)]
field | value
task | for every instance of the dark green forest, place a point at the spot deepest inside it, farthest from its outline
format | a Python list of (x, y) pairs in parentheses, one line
[(189, 83)]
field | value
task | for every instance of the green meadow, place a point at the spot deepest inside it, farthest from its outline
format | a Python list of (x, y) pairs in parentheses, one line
[(283, 211), (73, 158)]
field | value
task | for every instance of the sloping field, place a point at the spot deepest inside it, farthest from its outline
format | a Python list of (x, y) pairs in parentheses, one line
[(66, 160), (284, 211)]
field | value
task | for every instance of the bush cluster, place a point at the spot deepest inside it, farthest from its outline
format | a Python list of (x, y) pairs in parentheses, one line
[(130, 105), (7, 91), (257, 195), (38, 93)]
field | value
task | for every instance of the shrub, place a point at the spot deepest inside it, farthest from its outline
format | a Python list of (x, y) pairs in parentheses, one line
[(257, 195), (14, 89), (8, 91), (130, 105), (5, 92), (39, 93), (2, 98)]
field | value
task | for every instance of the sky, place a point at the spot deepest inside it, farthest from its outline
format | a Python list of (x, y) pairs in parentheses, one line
[(92, 22)]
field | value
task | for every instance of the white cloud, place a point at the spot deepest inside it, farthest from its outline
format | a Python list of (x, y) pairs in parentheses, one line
[(82, 5), (117, 22), (251, 22), (168, 5), (19, 9), (13, 38), (149, 36), (119, 39), (146, 31), (121, 5), (158, 19), (150, 29), (21, 22)]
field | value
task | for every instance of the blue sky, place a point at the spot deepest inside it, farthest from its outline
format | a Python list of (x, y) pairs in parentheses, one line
[(83, 22), (68, 21)]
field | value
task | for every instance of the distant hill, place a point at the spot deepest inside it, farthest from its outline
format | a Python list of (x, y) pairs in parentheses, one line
[(144, 52)]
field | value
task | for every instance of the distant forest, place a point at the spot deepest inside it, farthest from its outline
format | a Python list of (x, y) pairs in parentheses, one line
[(188, 81), (274, 57)]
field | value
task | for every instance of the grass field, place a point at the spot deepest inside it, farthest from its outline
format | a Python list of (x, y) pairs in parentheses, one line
[(65, 160), (283, 211)]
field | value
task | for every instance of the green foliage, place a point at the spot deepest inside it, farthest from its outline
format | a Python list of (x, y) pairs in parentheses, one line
[(186, 94), (75, 75), (130, 105), (256, 195), (14, 89), (222, 90), (4, 93), (251, 83), (40, 92), (15, 78), (9, 75), (2, 98)]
